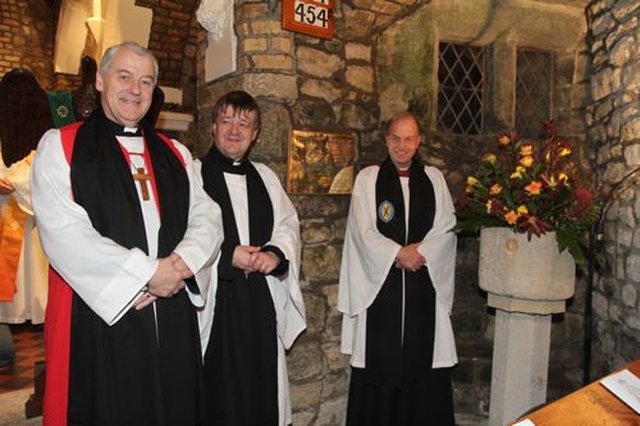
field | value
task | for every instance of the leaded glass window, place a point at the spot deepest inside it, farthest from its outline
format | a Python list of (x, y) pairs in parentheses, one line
[(533, 91), (461, 70)]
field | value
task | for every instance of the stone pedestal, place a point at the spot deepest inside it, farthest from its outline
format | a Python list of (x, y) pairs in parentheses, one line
[(526, 282)]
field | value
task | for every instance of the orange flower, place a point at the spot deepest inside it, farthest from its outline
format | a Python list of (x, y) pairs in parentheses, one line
[(504, 139), (495, 189), (534, 188), (526, 150), (523, 211), (526, 161), (511, 217)]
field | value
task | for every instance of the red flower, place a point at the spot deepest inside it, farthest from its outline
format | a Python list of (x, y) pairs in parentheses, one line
[(584, 196)]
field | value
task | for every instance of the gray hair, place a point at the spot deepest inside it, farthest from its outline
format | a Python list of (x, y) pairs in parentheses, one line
[(110, 53)]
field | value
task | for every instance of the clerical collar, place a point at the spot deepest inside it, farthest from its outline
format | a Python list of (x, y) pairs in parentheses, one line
[(120, 130), (229, 165)]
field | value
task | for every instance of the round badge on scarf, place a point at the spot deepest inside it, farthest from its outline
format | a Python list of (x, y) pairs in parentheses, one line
[(386, 211)]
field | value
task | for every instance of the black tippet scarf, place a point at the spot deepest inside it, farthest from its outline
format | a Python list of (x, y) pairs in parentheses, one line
[(390, 356), (214, 165), (241, 357), (102, 184)]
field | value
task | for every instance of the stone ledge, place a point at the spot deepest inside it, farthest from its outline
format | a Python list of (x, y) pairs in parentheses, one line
[(525, 306), (179, 121)]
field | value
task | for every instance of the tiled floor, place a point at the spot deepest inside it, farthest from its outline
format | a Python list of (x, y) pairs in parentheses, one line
[(29, 350)]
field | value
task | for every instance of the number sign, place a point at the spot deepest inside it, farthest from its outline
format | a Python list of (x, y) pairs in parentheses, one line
[(312, 17)]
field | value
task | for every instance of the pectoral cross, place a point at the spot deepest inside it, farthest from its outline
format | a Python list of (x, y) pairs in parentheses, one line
[(142, 178)]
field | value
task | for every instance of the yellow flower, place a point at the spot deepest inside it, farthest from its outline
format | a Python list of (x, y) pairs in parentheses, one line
[(564, 152), (488, 206), (526, 161), (534, 188), (490, 158), (526, 150), (471, 181), (511, 217), (504, 140), (522, 211), (495, 189), (518, 173), (551, 181), (562, 177)]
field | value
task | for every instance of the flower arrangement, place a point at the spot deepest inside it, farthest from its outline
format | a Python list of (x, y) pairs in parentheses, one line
[(532, 187)]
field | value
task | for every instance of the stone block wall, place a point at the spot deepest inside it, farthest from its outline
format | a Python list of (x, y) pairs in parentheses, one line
[(613, 121)]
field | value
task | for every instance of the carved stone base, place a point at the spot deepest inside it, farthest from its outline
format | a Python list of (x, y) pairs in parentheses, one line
[(526, 281), (522, 275)]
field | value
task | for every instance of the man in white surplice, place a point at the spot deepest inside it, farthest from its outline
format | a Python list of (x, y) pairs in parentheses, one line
[(396, 288), (131, 237), (255, 310)]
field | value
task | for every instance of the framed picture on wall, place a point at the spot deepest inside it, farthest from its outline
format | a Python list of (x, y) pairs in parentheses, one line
[(320, 162)]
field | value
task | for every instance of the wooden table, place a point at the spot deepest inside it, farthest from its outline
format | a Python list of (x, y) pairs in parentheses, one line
[(591, 405)]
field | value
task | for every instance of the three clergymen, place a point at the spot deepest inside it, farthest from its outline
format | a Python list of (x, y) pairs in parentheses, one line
[(174, 287)]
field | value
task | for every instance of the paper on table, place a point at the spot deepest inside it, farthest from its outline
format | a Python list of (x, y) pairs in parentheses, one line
[(525, 422), (625, 386)]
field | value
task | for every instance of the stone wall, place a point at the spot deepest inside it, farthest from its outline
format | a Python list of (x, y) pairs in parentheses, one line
[(613, 121)]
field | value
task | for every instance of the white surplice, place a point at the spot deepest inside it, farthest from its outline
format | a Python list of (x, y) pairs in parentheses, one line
[(30, 299), (285, 292), (107, 276), (368, 256)]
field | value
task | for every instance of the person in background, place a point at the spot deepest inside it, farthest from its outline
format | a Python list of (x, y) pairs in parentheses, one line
[(343, 154), (396, 288), (130, 236), (255, 308), (23, 265)]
